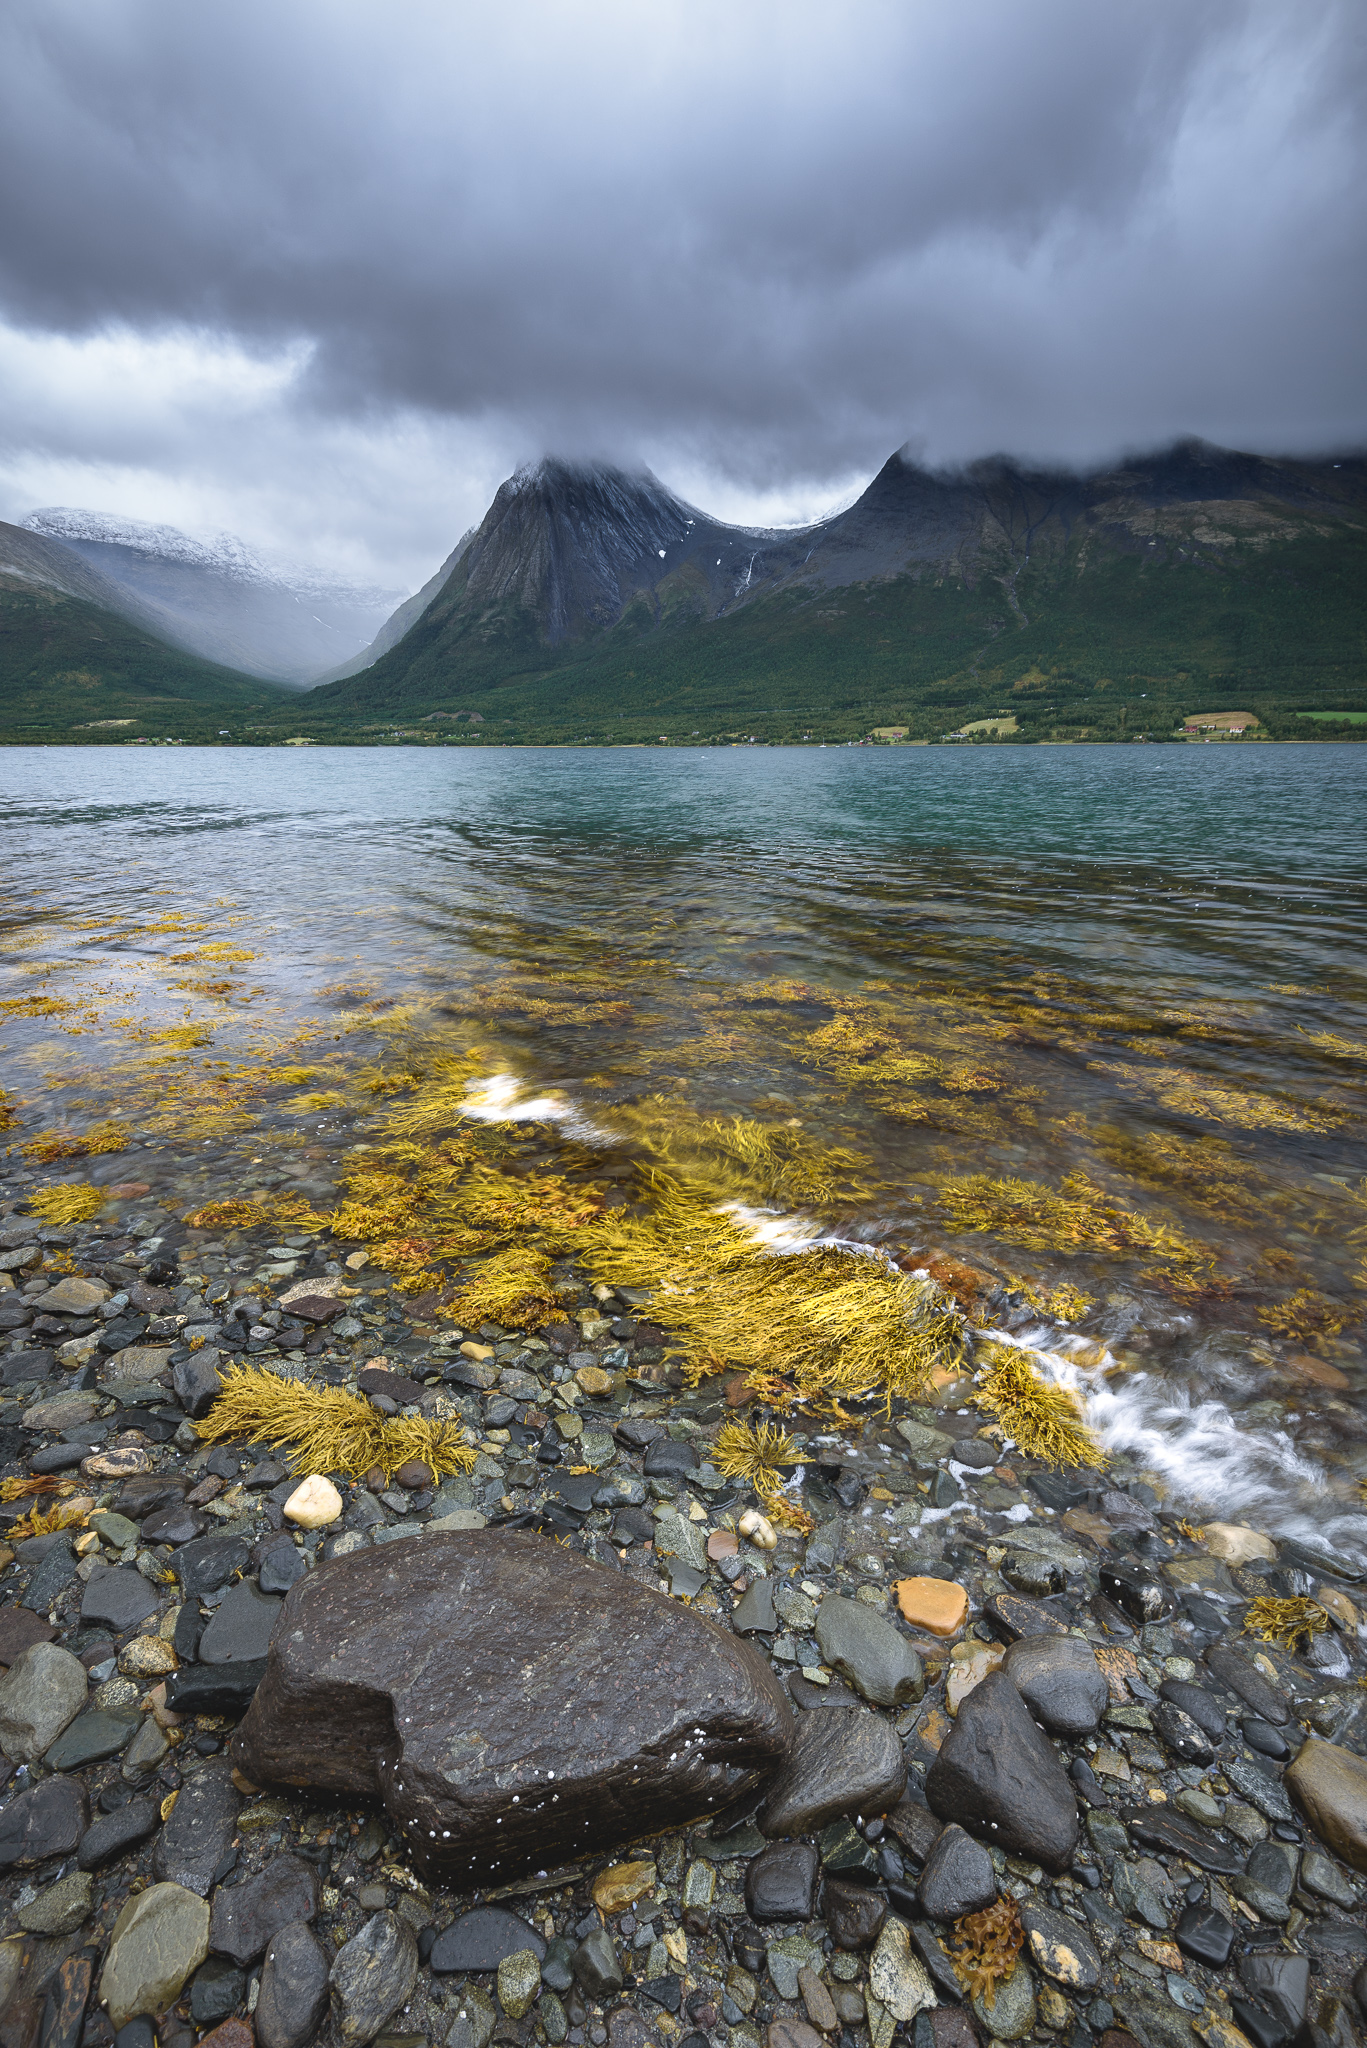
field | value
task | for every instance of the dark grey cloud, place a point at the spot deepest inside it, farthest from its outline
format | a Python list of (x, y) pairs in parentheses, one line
[(764, 244)]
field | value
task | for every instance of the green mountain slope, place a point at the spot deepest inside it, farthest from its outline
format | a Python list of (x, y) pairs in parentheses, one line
[(71, 670)]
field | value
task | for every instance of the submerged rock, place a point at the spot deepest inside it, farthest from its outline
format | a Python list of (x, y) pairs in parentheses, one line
[(511, 1704)]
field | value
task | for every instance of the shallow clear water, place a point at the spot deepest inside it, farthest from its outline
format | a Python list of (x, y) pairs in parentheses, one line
[(1142, 966)]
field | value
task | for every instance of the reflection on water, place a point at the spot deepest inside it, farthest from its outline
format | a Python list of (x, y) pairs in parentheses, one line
[(1085, 1024)]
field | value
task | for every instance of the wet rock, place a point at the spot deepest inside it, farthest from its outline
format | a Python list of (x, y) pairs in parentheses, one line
[(41, 1693), (314, 1504), (159, 1939), (897, 1976), (1324, 1878), (20, 1629), (1281, 1983), (455, 1676), (1205, 1936), (282, 1567), (1011, 1617), (1261, 1787), (1329, 1786), (1060, 1949), (90, 1738), (863, 1648), (215, 1688), (1060, 1681), (1235, 1543), (60, 1909), (937, 1606), (793, 2033), (241, 1628), (174, 1525), (294, 1989), (47, 1820), (1238, 1676), (371, 1977), (200, 1829), (245, 1917), (841, 1760), (68, 1995), (479, 1940), (143, 1495), (780, 1883), (50, 1579), (1135, 1590), (1012, 2011), (915, 1827), (817, 2001), (1196, 1702), (1000, 1778), (519, 1982), (218, 1989), (597, 1970), (197, 1382), (113, 1834), (854, 1916), (1188, 1741), (755, 1614), (204, 1566), (667, 1458), (74, 1296), (147, 1749), (957, 1878)]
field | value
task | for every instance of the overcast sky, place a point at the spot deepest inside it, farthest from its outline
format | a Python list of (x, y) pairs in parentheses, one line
[(322, 273)]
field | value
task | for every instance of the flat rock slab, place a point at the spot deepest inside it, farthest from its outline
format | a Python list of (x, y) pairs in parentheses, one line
[(1329, 1785), (117, 1600), (482, 1939), (20, 1630), (48, 1820), (843, 1760), (204, 1566), (199, 1831), (241, 1627), (513, 1705), (245, 1917), (159, 1939), (867, 1650), (1001, 1779)]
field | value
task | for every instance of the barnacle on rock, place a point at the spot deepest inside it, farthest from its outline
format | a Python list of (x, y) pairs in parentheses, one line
[(1044, 1419), (1285, 1622), (984, 1947), (327, 1429)]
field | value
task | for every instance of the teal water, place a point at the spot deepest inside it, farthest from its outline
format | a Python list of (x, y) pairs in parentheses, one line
[(1147, 966)]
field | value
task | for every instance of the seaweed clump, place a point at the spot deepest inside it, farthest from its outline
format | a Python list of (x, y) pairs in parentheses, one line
[(74, 1203), (755, 1454), (1288, 1623), (327, 1429), (1083, 1217), (984, 1947), (820, 1322), (512, 1287), (1043, 1418)]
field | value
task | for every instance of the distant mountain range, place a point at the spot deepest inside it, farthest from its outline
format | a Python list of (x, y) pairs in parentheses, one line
[(589, 595), (591, 602), (217, 599)]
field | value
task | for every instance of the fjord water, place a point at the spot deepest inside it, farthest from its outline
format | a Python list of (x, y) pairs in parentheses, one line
[(1141, 965)]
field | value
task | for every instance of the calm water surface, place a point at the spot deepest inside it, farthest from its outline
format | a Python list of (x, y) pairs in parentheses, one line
[(1123, 976)]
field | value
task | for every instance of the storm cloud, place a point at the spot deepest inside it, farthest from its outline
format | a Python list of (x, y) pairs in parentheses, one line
[(325, 271)]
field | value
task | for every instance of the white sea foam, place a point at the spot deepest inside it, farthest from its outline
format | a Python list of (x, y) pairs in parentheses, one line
[(499, 1099), (1209, 1458)]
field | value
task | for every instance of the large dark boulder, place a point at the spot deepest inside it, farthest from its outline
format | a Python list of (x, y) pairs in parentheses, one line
[(843, 1760), (513, 1705), (1001, 1779)]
